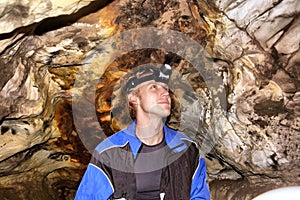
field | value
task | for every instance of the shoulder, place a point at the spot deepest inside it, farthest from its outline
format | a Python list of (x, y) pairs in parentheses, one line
[(178, 141), (181, 135), (116, 140)]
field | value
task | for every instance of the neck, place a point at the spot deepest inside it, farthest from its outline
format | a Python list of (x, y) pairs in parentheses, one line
[(150, 131)]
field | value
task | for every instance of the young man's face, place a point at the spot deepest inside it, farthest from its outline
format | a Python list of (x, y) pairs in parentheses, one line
[(153, 99)]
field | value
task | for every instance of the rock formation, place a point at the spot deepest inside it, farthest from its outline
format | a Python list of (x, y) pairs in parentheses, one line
[(235, 88)]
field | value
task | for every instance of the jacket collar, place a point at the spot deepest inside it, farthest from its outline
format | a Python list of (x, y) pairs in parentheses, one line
[(174, 140)]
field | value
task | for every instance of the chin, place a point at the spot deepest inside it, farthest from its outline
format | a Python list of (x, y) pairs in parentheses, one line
[(166, 114), (163, 113)]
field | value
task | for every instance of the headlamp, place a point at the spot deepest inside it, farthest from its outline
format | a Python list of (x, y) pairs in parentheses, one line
[(163, 74)]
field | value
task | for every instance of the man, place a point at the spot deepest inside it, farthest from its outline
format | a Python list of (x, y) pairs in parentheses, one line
[(147, 160)]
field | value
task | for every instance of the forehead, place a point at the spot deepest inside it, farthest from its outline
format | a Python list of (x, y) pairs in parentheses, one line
[(151, 82)]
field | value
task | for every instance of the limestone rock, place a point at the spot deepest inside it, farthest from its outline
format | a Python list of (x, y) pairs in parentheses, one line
[(24, 13)]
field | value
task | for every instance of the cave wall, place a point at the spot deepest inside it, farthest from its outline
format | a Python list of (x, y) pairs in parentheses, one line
[(236, 87)]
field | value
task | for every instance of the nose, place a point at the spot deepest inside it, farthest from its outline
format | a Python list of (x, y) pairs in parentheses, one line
[(165, 92)]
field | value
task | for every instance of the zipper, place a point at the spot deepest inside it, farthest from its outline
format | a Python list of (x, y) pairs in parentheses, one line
[(162, 196)]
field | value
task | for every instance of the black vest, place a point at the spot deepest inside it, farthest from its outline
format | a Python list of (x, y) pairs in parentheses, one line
[(176, 178)]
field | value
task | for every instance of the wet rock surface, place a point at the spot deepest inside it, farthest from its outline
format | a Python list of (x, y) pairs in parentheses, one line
[(235, 89)]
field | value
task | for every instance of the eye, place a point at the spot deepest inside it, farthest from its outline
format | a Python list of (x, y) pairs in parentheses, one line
[(153, 86), (166, 88)]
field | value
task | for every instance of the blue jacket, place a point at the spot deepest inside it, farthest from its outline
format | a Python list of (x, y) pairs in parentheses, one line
[(109, 175)]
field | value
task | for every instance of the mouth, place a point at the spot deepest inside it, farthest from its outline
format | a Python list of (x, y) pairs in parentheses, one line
[(164, 102)]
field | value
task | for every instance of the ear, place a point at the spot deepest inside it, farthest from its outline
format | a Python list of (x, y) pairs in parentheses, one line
[(132, 99)]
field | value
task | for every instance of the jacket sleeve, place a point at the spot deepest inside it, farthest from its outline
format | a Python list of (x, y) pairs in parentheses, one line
[(95, 184), (199, 189)]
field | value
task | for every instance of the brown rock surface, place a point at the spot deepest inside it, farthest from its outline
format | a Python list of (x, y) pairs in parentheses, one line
[(236, 87)]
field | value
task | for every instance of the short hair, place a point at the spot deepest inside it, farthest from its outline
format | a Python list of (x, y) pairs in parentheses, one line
[(129, 84), (121, 108)]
